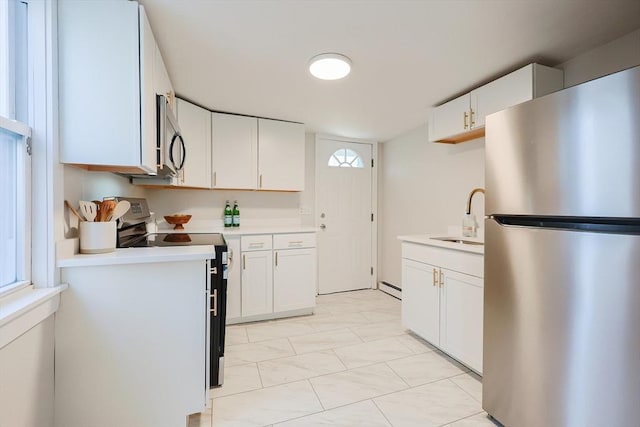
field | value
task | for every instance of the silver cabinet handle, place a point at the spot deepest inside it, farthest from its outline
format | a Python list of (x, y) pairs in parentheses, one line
[(276, 258), (214, 303), (435, 277), (322, 226), (244, 262)]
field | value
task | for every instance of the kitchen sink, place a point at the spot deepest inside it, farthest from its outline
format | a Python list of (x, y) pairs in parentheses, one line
[(458, 240)]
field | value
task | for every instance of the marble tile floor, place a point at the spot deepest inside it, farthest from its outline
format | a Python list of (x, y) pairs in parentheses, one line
[(350, 364)]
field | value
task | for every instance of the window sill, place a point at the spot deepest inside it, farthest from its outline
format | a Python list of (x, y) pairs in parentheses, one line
[(23, 309)]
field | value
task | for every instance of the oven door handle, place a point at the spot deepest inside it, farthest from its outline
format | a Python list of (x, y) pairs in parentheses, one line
[(214, 303)]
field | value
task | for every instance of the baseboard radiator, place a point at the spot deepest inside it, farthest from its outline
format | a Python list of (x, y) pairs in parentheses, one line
[(390, 289)]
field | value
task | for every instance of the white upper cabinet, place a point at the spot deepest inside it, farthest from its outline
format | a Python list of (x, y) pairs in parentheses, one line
[(451, 118), (257, 154), (463, 118), (235, 151), (106, 95), (281, 148), (195, 125), (162, 82), (148, 119)]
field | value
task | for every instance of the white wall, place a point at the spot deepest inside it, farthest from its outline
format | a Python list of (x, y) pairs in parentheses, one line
[(26, 378), (423, 189), (209, 204), (617, 55)]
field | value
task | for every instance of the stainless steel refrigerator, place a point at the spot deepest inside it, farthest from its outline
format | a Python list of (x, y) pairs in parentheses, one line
[(562, 258)]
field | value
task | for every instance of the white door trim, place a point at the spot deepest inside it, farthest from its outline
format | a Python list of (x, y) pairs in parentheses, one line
[(374, 198)]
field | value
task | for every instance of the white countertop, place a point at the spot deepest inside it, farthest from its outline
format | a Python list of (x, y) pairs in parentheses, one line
[(140, 256), (428, 239), (169, 253)]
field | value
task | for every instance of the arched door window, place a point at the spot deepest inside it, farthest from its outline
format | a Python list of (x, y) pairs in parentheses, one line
[(345, 158)]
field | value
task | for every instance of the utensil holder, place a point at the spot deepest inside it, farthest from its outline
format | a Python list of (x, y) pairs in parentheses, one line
[(97, 237)]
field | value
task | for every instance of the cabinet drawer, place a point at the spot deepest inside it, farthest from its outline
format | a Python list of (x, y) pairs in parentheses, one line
[(256, 243), (451, 259), (295, 240)]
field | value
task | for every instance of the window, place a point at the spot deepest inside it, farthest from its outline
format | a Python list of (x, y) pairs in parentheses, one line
[(14, 146), (345, 158)]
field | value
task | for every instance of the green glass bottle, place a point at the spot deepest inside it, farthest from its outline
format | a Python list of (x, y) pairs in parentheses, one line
[(228, 215), (236, 214)]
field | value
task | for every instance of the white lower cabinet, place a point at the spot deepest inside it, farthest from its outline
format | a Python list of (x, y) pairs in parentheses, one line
[(442, 305), (257, 283), (131, 333), (271, 276), (292, 275), (420, 302), (234, 274), (461, 313)]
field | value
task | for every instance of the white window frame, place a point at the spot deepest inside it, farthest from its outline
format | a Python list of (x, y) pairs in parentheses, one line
[(23, 172), (23, 220)]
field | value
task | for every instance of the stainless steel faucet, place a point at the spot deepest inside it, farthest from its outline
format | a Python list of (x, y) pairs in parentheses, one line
[(474, 191)]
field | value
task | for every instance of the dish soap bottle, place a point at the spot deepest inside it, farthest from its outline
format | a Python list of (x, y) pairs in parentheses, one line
[(469, 225), (228, 214), (236, 214)]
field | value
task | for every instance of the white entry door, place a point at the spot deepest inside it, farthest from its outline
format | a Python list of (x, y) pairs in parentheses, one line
[(344, 215)]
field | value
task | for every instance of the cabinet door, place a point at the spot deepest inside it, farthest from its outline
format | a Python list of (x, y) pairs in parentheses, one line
[(450, 119), (421, 300), (235, 151), (148, 95), (461, 317), (294, 279), (195, 125), (92, 49), (234, 269), (257, 283), (281, 147), (162, 82), (512, 89)]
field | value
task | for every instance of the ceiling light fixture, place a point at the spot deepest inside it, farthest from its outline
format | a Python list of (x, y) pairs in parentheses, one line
[(330, 66)]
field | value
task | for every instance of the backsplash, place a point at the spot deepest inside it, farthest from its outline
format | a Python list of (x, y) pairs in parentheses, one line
[(80, 184), (209, 205)]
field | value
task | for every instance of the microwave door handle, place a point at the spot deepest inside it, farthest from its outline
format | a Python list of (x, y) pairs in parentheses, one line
[(183, 148), (184, 152)]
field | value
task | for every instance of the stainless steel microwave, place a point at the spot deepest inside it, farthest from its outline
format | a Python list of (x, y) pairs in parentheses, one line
[(171, 150)]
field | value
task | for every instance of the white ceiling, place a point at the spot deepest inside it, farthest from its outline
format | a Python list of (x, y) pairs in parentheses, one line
[(251, 57)]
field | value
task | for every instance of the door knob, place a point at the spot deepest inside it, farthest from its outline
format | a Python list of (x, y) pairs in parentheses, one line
[(322, 226)]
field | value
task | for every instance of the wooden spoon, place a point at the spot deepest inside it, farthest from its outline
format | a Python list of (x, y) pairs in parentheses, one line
[(73, 211), (98, 204), (121, 208), (106, 209)]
